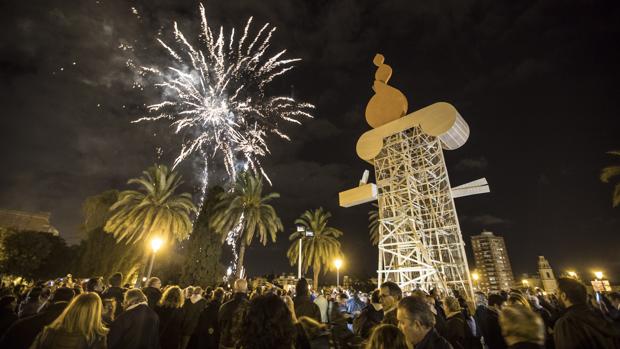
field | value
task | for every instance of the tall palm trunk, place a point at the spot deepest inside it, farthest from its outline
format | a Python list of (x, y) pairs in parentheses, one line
[(240, 259), (315, 280)]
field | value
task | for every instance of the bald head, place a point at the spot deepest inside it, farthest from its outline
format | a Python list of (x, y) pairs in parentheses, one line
[(241, 286)]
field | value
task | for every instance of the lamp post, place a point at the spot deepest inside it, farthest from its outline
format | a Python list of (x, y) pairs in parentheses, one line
[(304, 233), (598, 275), (338, 264), (155, 246), (475, 277)]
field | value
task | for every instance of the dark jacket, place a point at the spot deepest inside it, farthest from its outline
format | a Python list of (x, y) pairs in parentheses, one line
[(7, 318), (389, 318), (170, 327), (207, 331), (153, 295), (306, 307), (137, 328), (580, 327), (229, 318), (22, 333), (116, 293), (59, 339), (191, 315), (367, 320), (456, 331), (488, 322), (433, 340)]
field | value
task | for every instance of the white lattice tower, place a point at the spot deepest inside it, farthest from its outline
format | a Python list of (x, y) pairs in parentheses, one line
[(421, 244)]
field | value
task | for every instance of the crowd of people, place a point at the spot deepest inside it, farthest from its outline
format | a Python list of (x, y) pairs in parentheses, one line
[(93, 314)]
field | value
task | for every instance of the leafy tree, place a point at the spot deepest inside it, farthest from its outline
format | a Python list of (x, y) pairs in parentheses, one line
[(246, 208), (318, 250), (100, 254), (610, 172), (35, 255), (155, 210), (373, 224), (204, 248)]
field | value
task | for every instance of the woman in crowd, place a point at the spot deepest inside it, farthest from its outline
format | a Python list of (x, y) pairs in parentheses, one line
[(457, 330), (521, 327), (170, 311), (78, 326), (386, 337), (207, 331), (268, 324)]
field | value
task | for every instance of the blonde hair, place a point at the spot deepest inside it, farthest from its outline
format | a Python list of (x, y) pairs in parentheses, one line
[(386, 337), (452, 304), (518, 299), (521, 324), (172, 298), (83, 316)]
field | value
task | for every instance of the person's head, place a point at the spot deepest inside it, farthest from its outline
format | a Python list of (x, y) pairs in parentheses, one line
[(374, 297), (63, 294), (614, 298), (116, 280), (301, 288), (451, 305), (132, 297), (82, 316), (496, 301), (518, 299), (415, 318), (386, 337), (197, 291), (172, 298), (94, 284), (481, 299), (342, 298), (520, 324), (268, 324), (390, 294), (571, 292), (154, 282), (240, 286), (218, 294)]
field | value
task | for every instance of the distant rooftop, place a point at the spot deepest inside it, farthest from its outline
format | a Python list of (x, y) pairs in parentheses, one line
[(27, 221)]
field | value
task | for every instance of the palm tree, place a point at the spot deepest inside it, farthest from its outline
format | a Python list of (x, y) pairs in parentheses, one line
[(153, 210), (245, 208), (373, 224), (609, 172), (320, 249)]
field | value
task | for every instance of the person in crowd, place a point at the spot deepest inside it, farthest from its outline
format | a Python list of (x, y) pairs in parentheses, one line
[(79, 326), (487, 318), (456, 326), (436, 294), (268, 324), (303, 304), (95, 284), (355, 304), (416, 321), (231, 314), (207, 332), (44, 298), (171, 315), (390, 294), (30, 305), (137, 327), (580, 326), (321, 301), (316, 333), (153, 291), (7, 312), (515, 298), (115, 291), (371, 316), (387, 337), (546, 317), (192, 308), (109, 310), (521, 327), (22, 333)]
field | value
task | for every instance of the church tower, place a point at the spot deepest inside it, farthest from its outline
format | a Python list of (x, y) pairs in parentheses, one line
[(547, 278)]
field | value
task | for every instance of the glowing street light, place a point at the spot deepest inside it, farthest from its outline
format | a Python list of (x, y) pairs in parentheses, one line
[(572, 274), (475, 276), (338, 264), (525, 283), (156, 244), (599, 275)]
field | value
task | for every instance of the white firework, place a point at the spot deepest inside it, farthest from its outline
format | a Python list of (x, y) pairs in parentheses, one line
[(216, 98)]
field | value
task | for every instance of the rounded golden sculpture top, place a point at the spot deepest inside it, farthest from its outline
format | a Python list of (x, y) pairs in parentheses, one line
[(388, 103)]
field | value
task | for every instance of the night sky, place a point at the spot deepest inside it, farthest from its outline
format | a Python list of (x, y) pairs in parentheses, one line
[(537, 82)]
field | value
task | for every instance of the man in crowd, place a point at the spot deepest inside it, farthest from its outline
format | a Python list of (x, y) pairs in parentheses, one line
[(137, 327), (231, 313), (580, 327), (23, 332), (115, 292), (322, 303), (416, 321), (487, 319), (153, 291), (390, 294)]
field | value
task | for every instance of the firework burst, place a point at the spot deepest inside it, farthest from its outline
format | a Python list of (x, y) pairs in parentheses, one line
[(216, 96)]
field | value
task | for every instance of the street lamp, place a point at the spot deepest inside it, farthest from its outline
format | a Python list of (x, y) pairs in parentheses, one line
[(304, 233), (338, 264), (599, 275), (155, 246), (572, 274), (475, 277), (525, 283)]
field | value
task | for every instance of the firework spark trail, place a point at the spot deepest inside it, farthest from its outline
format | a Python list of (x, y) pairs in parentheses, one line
[(217, 98)]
